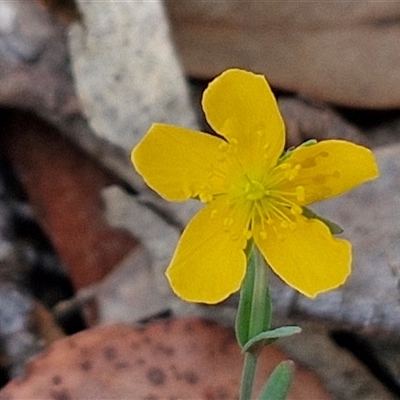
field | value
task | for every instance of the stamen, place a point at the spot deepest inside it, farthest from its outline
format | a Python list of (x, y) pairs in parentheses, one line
[(213, 213), (296, 210), (291, 175), (205, 197), (223, 146), (300, 193), (285, 166), (228, 222), (217, 173), (279, 236)]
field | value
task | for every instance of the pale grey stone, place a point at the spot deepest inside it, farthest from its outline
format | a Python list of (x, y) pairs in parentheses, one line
[(126, 71), (130, 294), (127, 77), (155, 233), (8, 14), (17, 340)]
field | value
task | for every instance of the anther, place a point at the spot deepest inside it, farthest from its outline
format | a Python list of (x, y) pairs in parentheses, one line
[(300, 193), (296, 210), (263, 235), (213, 213), (285, 166), (223, 146), (293, 172), (205, 197), (247, 234), (228, 222)]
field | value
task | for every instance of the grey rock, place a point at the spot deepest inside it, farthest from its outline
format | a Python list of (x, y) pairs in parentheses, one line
[(126, 71), (127, 76), (14, 309), (34, 69), (18, 44), (157, 235), (17, 341), (130, 293)]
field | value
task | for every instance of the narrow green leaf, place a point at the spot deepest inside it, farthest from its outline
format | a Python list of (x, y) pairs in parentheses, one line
[(265, 338), (334, 228), (278, 385)]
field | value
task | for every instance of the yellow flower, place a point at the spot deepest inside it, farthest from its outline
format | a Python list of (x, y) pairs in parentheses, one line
[(250, 191)]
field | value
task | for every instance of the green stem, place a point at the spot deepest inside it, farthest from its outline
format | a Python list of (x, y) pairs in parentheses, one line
[(249, 371), (259, 316)]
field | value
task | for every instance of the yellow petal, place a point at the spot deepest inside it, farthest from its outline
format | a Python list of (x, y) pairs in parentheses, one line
[(330, 168), (180, 163), (240, 106), (209, 263), (308, 258)]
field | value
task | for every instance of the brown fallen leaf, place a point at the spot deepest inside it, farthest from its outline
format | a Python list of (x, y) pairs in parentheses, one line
[(341, 52), (65, 10), (309, 120), (185, 359), (63, 186)]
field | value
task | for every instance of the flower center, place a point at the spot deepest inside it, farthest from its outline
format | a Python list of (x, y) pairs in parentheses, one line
[(254, 190), (271, 199)]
